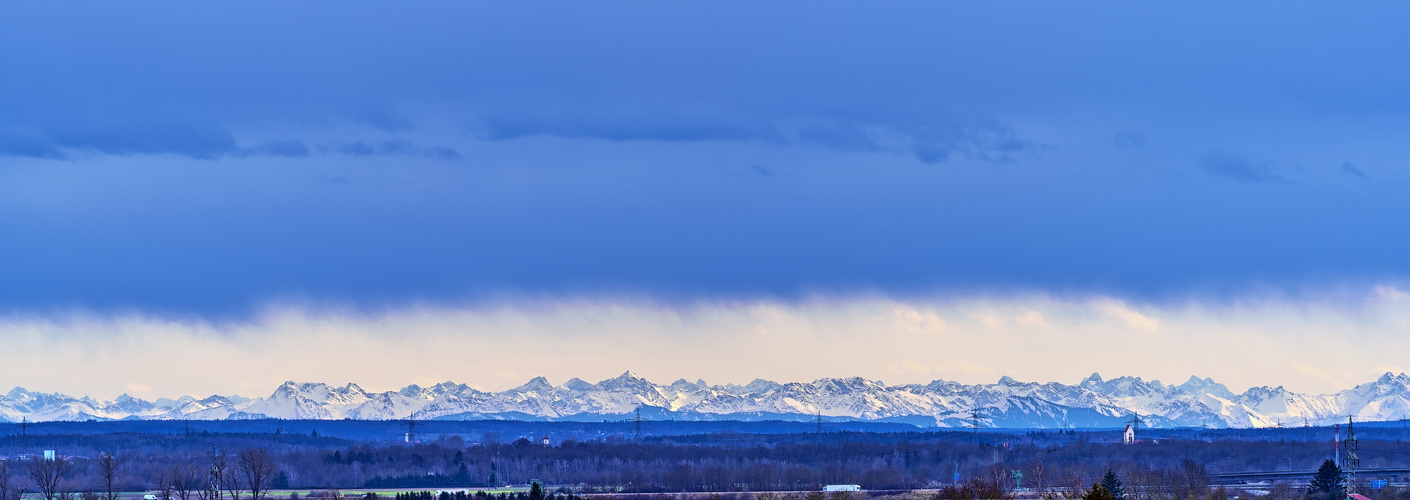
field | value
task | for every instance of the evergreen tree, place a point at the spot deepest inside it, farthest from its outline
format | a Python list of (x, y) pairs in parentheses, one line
[(1113, 485), (462, 476), (1328, 483), (536, 491), (1098, 492), (281, 481)]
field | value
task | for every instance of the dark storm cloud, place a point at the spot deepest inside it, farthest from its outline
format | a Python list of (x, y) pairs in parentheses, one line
[(761, 171), (1347, 167), (386, 121), (1242, 169), (914, 147), (151, 137), (289, 148), (625, 121), (1130, 140), (26, 142), (399, 147), (933, 141)]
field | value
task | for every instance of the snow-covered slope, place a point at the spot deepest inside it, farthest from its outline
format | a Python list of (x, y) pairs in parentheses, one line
[(1092, 402)]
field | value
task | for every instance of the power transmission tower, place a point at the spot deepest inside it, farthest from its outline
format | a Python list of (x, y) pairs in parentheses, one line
[(214, 492), (974, 415), (1351, 461), (819, 422), (410, 426), (636, 426), (24, 427), (1135, 422)]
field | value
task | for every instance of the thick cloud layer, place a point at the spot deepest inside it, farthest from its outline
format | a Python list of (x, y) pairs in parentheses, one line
[(205, 159)]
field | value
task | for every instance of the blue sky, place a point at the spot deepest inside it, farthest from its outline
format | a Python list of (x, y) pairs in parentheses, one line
[(206, 162)]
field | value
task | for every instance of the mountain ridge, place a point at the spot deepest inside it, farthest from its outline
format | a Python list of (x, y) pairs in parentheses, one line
[(1092, 402)]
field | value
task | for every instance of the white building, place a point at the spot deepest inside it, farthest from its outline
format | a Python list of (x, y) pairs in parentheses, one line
[(1129, 435), (842, 487)]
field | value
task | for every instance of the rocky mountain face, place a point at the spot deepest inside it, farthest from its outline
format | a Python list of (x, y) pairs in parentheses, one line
[(1092, 402)]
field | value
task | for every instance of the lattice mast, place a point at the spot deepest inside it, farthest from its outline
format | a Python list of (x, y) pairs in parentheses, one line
[(1351, 462)]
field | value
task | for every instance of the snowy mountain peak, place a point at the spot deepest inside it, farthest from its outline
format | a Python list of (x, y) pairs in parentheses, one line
[(1093, 402), (19, 393), (630, 375), (578, 385), (1196, 385), (538, 385), (1390, 378)]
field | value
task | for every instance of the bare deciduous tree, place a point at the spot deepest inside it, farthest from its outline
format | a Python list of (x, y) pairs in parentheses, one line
[(167, 483), (256, 471), (10, 488), (109, 472), (47, 474), (184, 480), (231, 483), (201, 482), (5, 480)]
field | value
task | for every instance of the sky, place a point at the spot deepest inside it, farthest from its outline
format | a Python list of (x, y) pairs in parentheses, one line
[(385, 194)]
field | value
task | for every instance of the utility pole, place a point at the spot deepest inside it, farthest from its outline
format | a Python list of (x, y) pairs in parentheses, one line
[(1352, 461)]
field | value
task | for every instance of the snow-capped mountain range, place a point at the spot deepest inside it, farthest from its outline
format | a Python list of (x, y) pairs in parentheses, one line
[(1092, 402)]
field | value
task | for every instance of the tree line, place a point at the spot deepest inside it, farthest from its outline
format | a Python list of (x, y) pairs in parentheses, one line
[(183, 467)]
